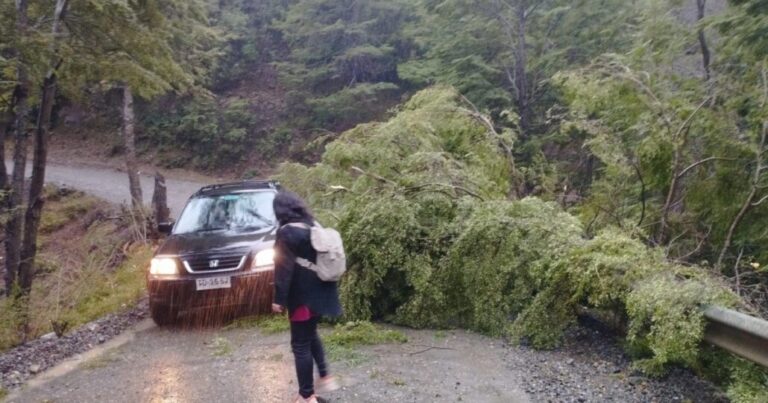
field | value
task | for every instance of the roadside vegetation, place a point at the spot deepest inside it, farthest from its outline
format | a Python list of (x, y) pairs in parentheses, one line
[(88, 267)]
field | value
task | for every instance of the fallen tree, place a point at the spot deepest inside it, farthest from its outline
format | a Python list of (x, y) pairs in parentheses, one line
[(433, 241)]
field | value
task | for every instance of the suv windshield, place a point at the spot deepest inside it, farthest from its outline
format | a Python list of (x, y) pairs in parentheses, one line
[(240, 212)]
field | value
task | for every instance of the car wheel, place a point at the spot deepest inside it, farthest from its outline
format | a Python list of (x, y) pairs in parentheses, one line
[(162, 315)]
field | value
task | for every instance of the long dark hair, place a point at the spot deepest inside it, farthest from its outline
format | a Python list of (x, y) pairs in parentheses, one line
[(289, 207)]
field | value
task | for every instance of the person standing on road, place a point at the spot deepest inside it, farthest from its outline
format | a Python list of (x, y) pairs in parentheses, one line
[(303, 294)]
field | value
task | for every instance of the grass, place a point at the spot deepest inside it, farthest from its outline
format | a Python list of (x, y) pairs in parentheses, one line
[(106, 292), (348, 355), (220, 347), (267, 324), (63, 207), (83, 271), (101, 361), (342, 342), (353, 334)]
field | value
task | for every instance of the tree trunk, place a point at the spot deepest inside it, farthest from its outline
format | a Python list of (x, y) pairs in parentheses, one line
[(701, 5), (129, 136), (671, 195), (521, 72), (35, 201), (160, 200), (13, 228), (6, 126), (747, 205)]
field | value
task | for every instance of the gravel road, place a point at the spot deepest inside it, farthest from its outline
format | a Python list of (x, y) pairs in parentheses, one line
[(112, 185), (212, 363)]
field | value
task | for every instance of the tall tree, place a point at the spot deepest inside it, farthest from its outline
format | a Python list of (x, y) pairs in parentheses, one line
[(13, 228), (501, 53), (344, 54), (45, 108), (129, 141)]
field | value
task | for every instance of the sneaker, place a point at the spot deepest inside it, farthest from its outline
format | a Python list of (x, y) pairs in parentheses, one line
[(311, 399), (327, 384)]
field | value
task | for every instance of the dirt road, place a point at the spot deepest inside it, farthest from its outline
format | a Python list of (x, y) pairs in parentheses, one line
[(112, 185)]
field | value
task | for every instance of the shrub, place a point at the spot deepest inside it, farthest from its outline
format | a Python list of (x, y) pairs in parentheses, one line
[(506, 254)]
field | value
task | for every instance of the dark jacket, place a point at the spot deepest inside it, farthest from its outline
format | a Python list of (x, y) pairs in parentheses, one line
[(296, 285)]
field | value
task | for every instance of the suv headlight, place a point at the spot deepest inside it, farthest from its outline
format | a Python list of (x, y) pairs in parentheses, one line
[(263, 260), (163, 266)]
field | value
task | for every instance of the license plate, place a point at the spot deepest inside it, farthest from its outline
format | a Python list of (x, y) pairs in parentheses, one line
[(212, 283)]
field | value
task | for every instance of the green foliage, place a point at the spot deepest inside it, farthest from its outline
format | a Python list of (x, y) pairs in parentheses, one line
[(500, 260), (609, 266), (211, 133), (11, 322), (749, 382), (362, 101), (353, 334), (343, 58), (665, 315), (267, 324), (472, 45)]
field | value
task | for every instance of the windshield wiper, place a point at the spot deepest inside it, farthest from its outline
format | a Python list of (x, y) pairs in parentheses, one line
[(211, 229), (250, 228), (259, 216)]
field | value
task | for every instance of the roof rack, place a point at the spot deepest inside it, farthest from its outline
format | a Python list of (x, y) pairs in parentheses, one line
[(244, 184)]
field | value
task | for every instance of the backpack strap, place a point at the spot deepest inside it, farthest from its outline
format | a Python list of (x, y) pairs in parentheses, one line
[(300, 260), (297, 225)]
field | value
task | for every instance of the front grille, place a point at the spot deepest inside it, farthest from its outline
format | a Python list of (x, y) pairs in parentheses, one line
[(211, 264)]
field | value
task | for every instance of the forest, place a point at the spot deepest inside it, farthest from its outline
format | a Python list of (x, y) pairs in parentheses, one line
[(611, 153)]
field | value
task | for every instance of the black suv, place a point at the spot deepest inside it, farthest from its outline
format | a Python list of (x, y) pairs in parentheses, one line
[(218, 254)]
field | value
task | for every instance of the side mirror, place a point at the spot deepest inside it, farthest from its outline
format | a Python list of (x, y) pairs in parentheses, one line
[(165, 228)]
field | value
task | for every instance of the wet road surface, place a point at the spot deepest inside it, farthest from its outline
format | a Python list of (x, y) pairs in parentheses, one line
[(243, 365), (112, 185)]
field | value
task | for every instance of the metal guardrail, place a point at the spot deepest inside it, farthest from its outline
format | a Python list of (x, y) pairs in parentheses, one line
[(743, 335)]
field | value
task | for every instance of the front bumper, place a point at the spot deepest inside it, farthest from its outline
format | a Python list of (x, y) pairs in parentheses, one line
[(251, 290)]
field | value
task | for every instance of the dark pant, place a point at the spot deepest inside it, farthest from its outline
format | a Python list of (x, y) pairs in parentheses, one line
[(307, 347)]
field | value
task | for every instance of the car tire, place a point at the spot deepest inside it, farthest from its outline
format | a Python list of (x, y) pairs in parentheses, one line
[(163, 315)]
